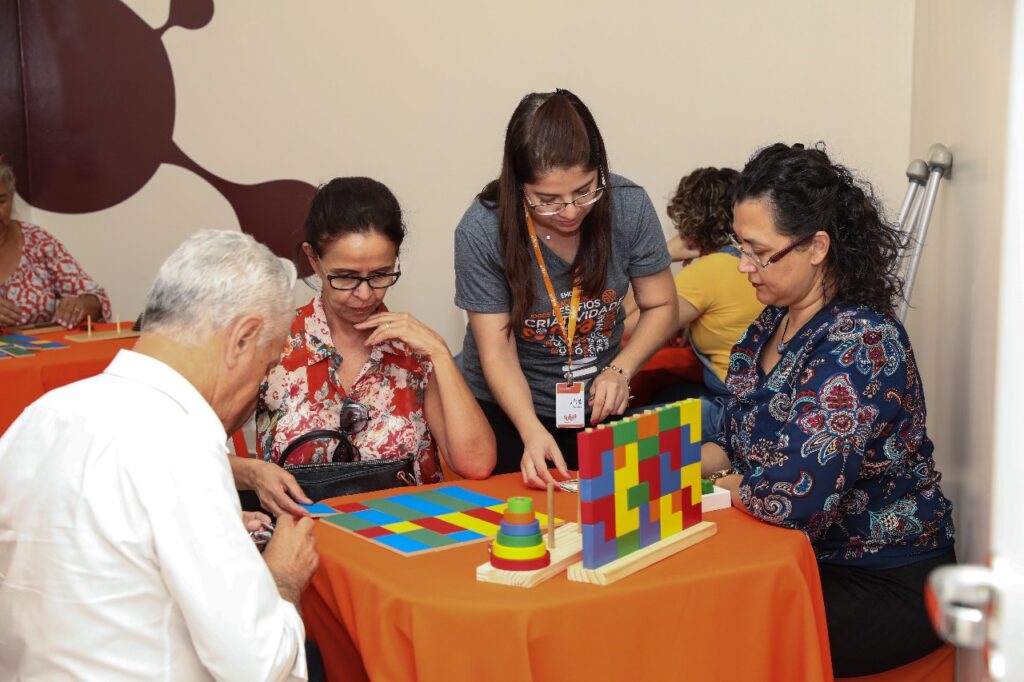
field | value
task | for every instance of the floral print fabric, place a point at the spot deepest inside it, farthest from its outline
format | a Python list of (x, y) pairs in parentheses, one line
[(302, 394), (832, 441), (47, 273)]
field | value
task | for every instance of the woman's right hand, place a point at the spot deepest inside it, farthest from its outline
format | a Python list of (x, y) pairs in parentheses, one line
[(10, 314), (539, 447)]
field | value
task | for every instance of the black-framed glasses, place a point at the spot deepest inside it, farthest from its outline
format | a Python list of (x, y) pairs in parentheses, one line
[(378, 280), (775, 257), (556, 207)]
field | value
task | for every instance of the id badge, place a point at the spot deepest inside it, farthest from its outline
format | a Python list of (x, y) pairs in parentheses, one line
[(569, 405)]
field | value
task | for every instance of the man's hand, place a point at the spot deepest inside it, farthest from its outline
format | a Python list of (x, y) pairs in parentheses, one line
[(291, 556)]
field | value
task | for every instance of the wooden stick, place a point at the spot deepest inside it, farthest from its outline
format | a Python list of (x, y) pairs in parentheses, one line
[(551, 515), (88, 325), (117, 318)]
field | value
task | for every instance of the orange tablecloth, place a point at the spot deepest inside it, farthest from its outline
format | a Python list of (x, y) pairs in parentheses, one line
[(24, 379), (745, 604)]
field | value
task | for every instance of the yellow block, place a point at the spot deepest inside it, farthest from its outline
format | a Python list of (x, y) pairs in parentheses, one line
[(689, 413), (470, 523), (627, 520), (691, 477), (671, 523), (402, 527), (518, 553)]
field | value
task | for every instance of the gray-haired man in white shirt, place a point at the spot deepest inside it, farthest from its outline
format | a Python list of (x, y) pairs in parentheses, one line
[(123, 549)]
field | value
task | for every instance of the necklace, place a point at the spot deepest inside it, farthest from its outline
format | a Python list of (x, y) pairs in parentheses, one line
[(548, 237), (781, 347)]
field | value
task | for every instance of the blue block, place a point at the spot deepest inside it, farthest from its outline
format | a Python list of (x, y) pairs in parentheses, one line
[(596, 550), (690, 451), (419, 504), (670, 482), (469, 496), (378, 518), (650, 531), (520, 528), (402, 543), (318, 508), (604, 485), (465, 536)]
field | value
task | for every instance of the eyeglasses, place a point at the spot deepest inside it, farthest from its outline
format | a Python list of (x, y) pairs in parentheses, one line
[(556, 207), (378, 280), (774, 258)]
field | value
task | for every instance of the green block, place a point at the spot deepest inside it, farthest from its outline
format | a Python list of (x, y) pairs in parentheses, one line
[(394, 509), (706, 487), (649, 447), (669, 417), (446, 501), (628, 543), (520, 540), (625, 432), (637, 495), (429, 537), (349, 522), (520, 505)]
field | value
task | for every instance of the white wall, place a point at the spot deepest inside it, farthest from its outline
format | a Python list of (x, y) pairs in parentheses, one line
[(961, 85), (418, 94)]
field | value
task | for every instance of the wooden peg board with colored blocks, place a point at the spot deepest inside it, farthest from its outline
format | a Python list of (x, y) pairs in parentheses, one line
[(421, 521), (16, 345), (639, 482)]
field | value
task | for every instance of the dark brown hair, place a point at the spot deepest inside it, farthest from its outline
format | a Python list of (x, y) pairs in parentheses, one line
[(549, 131), (702, 207), (353, 206), (807, 192)]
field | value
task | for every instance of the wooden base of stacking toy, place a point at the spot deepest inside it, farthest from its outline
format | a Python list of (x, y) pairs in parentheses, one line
[(86, 337), (568, 549), (642, 558)]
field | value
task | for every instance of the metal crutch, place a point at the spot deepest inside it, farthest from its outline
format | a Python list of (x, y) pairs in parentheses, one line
[(917, 176), (940, 160)]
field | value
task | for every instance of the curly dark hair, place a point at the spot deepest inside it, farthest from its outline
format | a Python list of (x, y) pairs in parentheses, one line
[(807, 192), (702, 207)]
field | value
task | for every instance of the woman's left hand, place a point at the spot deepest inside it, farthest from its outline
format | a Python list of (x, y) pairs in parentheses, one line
[(609, 394), (72, 310), (403, 326)]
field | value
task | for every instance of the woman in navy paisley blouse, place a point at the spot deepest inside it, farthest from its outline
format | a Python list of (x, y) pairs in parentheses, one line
[(825, 429)]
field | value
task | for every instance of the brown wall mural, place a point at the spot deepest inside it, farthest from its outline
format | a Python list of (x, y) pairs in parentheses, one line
[(87, 113)]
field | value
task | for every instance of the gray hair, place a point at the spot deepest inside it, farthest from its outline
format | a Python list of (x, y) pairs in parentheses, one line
[(214, 278), (7, 175)]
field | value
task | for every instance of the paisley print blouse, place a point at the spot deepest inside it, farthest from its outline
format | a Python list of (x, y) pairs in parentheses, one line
[(832, 441), (302, 394)]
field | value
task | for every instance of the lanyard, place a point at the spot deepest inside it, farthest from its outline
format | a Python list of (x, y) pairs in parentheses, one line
[(568, 330)]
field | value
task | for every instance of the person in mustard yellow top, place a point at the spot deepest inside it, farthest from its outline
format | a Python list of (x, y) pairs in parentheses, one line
[(716, 302)]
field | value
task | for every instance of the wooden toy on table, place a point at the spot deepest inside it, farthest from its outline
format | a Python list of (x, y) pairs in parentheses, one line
[(640, 492)]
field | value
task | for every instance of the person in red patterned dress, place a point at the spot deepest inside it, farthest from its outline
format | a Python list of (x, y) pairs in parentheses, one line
[(345, 345), (40, 281)]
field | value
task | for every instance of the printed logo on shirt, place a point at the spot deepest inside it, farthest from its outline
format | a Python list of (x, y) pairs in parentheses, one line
[(595, 324)]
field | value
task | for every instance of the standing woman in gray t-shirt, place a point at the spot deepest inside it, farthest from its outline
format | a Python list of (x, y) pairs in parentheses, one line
[(543, 258)]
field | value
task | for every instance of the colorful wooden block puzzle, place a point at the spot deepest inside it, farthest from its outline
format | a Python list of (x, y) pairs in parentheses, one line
[(424, 520), (639, 481), (14, 345)]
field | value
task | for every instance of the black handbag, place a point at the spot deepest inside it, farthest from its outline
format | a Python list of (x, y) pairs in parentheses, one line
[(336, 478)]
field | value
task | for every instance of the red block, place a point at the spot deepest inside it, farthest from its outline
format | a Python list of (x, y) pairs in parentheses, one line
[(375, 531), (671, 442), (484, 514), (692, 513), (650, 472), (521, 564), (600, 510), (438, 526), (350, 507), (602, 439)]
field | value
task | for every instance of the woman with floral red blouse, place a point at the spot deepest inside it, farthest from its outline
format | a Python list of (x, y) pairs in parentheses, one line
[(347, 352), (40, 282), (825, 427)]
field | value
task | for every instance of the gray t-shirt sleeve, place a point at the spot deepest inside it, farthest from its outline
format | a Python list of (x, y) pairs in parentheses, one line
[(648, 252), (480, 285)]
